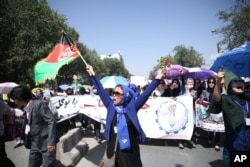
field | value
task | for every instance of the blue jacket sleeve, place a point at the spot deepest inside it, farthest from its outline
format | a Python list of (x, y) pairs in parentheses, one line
[(139, 102), (101, 91)]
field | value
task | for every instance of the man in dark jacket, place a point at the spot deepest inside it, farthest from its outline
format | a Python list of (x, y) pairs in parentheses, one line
[(41, 126)]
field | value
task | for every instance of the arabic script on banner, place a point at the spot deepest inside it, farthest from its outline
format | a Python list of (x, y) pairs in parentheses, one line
[(160, 117)]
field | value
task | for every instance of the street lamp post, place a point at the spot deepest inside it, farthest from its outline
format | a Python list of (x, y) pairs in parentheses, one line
[(218, 45)]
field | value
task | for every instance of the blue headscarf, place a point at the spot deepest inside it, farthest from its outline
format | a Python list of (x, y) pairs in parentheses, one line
[(122, 129), (134, 88), (128, 95)]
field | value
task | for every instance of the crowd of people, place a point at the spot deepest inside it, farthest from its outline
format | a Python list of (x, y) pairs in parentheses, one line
[(225, 93), (25, 110)]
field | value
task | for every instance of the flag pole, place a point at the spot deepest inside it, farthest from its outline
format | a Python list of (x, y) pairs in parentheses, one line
[(84, 61), (72, 48)]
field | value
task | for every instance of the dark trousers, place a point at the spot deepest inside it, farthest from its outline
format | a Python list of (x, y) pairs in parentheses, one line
[(4, 160), (215, 136), (84, 120), (97, 127), (39, 157)]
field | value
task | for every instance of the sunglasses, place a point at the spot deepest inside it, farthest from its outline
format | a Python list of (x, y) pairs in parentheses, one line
[(115, 93), (211, 82), (234, 81)]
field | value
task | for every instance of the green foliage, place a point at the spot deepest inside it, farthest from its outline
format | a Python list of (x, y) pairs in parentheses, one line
[(186, 57), (115, 67), (30, 30), (237, 29)]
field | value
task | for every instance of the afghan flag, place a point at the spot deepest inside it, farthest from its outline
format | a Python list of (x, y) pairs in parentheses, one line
[(63, 53)]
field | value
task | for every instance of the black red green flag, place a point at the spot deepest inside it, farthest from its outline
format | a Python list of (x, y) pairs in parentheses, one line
[(63, 53)]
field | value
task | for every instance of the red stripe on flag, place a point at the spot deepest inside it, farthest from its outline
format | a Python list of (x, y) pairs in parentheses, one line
[(61, 52)]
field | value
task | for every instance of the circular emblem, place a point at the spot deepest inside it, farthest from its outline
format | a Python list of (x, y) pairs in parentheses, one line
[(172, 116)]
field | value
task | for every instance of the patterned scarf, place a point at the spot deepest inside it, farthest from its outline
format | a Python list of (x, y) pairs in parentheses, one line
[(122, 128)]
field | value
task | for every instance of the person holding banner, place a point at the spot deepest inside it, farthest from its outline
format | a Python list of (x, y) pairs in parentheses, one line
[(188, 89), (173, 89), (208, 95), (235, 108), (122, 123)]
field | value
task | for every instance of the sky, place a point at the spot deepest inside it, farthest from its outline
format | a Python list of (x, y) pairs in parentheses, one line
[(145, 30)]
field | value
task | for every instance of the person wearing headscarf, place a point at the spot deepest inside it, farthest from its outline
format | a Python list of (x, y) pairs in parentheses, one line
[(134, 88), (235, 108), (208, 95), (187, 88), (122, 122), (173, 89)]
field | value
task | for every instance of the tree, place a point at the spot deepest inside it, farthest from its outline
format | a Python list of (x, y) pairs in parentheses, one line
[(115, 67), (237, 30), (31, 29), (187, 57)]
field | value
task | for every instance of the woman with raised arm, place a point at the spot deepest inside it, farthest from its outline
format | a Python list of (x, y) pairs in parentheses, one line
[(235, 108), (122, 122)]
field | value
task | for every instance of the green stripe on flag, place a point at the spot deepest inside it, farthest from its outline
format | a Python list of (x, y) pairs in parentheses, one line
[(45, 70)]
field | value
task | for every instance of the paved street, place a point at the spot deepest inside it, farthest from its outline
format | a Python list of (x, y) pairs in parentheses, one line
[(153, 153)]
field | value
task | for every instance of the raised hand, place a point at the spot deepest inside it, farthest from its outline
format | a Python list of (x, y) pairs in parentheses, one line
[(90, 70), (160, 73), (220, 74)]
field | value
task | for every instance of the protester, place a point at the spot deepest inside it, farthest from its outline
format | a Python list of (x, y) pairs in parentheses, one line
[(213, 137), (198, 88), (5, 109), (28, 86), (69, 91), (72, 120), (41, 125), (188, 89), (17, 131), (247, 86), (173, 89), (235, 109), (134, 88), (142, 86), (160, 89), (84, 119), (39, 94), (122, 121)]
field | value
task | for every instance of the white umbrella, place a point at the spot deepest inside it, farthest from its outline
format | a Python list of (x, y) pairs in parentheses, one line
[(112, 81), (6, 87)]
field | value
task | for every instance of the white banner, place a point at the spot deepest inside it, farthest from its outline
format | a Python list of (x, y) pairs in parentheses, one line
[(160, 117), (168, 118), (208, 121)]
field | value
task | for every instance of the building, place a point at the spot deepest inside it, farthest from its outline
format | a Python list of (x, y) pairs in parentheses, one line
[(117, 56)]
